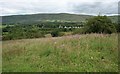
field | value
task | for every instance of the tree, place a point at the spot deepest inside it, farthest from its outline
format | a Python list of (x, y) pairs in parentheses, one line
[(55, 33), (100, 24)]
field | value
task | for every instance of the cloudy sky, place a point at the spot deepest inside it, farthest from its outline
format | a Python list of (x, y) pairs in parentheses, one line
[(16, 7)]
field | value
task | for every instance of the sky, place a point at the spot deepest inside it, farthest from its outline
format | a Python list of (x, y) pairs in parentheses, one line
[(90, 7)]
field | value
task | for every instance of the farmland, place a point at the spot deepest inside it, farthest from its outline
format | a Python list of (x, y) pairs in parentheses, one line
[(74, 53)]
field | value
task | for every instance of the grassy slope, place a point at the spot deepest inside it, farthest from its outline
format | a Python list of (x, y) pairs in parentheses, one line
[(94, 52), (36, 18), (42, 17)]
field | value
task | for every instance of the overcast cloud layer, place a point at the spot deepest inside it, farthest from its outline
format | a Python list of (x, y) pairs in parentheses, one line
[(16, 7)]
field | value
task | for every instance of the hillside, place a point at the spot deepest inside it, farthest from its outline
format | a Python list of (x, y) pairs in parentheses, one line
[(36, 18), (43, 17)]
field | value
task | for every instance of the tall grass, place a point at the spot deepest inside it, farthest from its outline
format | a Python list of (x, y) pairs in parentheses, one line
[(78, 53)]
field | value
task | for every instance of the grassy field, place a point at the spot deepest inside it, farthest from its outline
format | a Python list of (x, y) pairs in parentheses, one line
[(78, 53)]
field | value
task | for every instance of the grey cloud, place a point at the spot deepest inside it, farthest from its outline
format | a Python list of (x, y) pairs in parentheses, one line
[(61, 7), (95, 8)]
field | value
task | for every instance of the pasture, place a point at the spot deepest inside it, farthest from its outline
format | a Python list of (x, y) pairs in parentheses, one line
[(75, 53)]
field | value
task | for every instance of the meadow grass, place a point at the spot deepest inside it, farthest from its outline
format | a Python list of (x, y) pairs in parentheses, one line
[(78, 53)]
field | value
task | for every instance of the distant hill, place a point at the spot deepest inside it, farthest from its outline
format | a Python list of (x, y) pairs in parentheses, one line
[(43, 17), (33, 18)]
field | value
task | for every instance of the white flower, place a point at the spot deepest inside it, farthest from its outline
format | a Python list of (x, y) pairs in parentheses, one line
[(55, 42), (91, 57)]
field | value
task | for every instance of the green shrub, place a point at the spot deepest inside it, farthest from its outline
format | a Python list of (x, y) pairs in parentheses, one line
[(100, 24), (55, 33)]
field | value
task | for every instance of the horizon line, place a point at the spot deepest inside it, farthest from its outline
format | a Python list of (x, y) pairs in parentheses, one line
[(61, 13)]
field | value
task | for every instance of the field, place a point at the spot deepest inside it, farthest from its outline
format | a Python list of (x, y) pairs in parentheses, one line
[(75, 53)]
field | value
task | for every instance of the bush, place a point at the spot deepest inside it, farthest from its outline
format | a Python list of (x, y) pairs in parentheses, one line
[(117, 26), (100, 24), (55, 33)]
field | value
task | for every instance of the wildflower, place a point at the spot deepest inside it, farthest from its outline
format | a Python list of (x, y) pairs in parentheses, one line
[(91, 57), (63, 45), (55, 42)]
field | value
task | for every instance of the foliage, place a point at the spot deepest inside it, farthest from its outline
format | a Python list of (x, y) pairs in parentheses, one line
[(55, 33), (100, 24), (15, 28), (23, 31), (117, 26)]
